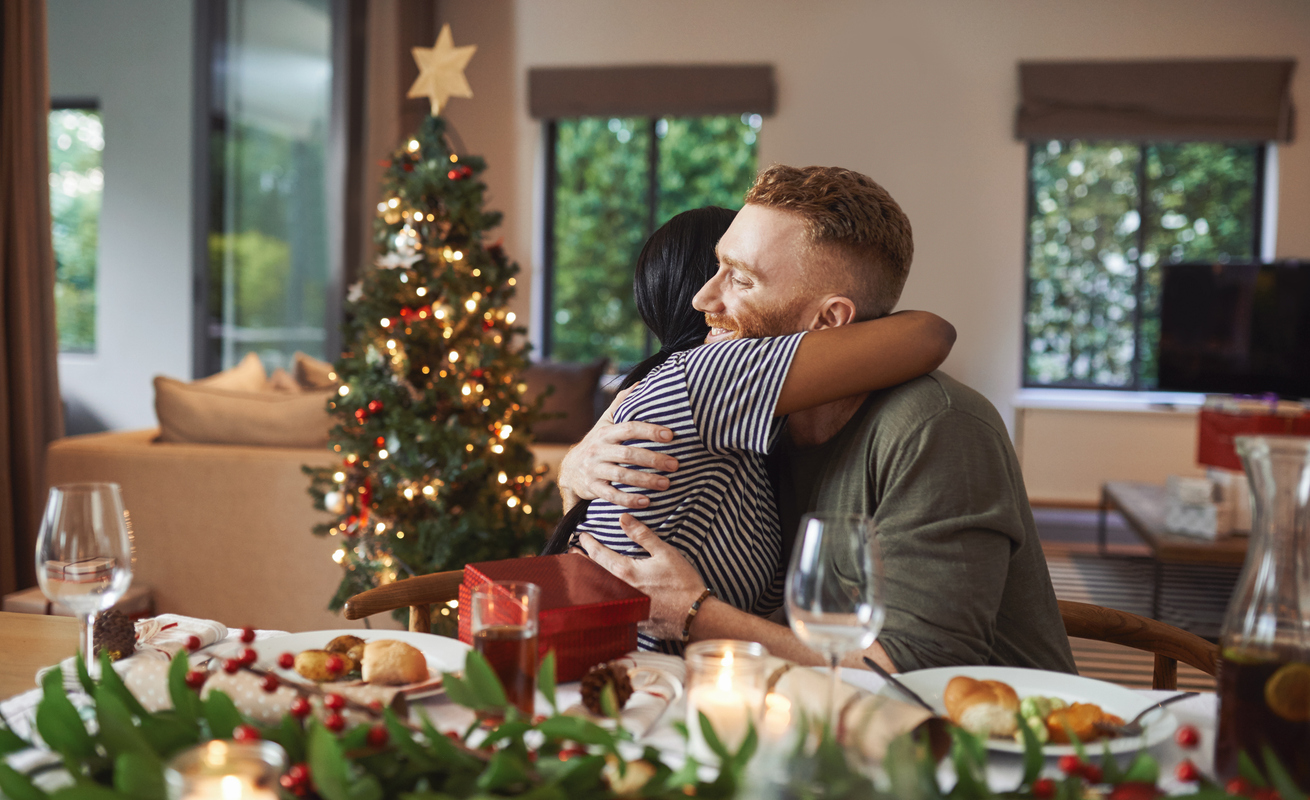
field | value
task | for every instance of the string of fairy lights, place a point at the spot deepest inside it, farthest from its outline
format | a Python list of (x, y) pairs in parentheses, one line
[(420, 255)]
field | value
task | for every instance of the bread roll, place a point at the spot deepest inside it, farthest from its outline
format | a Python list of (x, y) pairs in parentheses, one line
[(984, 708), (392, 663)]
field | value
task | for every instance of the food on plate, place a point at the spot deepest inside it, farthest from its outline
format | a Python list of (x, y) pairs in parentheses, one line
[(1081, 719), (985, 708), (1035, 709), (352, 646), (321, 666), (392, 663)]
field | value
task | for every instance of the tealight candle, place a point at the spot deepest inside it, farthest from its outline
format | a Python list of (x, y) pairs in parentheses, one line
[(224, 770), (725, 682)]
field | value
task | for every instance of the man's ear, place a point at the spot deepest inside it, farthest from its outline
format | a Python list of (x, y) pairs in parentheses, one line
[(836, 311)]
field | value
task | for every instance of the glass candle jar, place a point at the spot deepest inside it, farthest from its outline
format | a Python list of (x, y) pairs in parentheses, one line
[(226, 770), (726, 683)]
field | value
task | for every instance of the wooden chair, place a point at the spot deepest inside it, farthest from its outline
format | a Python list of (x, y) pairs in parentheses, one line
[(1169, 644), (417, 593)]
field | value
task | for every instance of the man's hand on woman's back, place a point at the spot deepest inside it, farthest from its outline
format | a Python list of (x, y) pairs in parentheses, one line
[(601, 459)]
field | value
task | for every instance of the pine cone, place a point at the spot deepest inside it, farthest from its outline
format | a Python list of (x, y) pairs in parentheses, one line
[(594, 682), (115, 634)]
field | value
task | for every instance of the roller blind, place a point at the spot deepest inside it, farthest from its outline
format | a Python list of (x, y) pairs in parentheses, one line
[(1224, 100), (651, 91)]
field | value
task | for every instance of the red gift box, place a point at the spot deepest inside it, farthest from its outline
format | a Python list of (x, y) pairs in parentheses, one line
[(1216, 429), (587, 616)]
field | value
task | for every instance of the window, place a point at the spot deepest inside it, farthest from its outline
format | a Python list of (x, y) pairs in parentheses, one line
[(77, 182), (613, 181), (1103, 215)]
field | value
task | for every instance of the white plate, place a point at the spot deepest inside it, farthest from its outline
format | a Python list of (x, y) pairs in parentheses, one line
[(1159, 726), (442, 654)]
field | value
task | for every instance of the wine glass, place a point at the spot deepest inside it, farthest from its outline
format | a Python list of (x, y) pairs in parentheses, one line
[(834, 589), (84, 553)]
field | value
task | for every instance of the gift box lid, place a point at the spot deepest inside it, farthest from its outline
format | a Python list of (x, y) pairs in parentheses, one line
[(576, 592)]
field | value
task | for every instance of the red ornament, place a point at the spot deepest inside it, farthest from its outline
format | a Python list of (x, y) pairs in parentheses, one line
[(269, 684), (464, 171), (1187, 736), (193, 643), (231, 665), (335, 702), (286, 661), (247, 635), (1092, 773), (246, 733), (1070, 765), (1043, 788), (335, 664), (408, 167), (361, 414), (366, 496), (335, 722), (487, 324), (1186, 771), (378, 736), (300, 708), (247, 656), (454, 174), (406, 312), (196, 678), (477, 373), (374, 406)]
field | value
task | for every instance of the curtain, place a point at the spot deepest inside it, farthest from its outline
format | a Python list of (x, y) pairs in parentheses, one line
[(30, 412)]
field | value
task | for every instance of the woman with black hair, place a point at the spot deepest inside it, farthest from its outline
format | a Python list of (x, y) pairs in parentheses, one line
[(720, 400)]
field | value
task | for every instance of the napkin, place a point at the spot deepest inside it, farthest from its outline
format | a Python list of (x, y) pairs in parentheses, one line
[(867, 722), (657, 680), (157, 638)]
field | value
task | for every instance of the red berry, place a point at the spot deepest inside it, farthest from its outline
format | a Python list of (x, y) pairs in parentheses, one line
[(1266, 793), (335, 664), (335, 722), (300, 708), (1092, 773), (1043, 788), (1186, 771), (193, 643), (299, 773), (231, 665), (247, 656), (286, 661), (376, 705), (1187, 736), (1135, 790), (335, 702), (378, 736), (1070, 765), (247, 635), (1239, 786), (269, 684), (196, 678), (287, 782), (246, 733)]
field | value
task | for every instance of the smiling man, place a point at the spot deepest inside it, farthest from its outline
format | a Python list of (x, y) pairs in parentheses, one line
[(929, 460)]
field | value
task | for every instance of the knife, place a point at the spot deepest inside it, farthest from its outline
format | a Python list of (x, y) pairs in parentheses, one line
[(905, 690)]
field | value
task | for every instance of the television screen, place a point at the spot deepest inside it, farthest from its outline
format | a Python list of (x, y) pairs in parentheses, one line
[(1236, 328)]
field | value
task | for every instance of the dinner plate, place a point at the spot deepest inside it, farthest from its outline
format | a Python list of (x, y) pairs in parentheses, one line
[(1159, 726), (442, 654)]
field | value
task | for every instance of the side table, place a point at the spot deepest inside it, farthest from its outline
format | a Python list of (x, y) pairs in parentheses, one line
[(32, 641)]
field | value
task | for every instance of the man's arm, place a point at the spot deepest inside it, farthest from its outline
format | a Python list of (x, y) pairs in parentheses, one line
[(594, 464), (673, 585)]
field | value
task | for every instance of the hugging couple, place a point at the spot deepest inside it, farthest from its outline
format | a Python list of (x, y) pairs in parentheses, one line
[(786, 386)]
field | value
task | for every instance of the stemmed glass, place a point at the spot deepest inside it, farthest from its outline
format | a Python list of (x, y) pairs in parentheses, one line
[(834, 589), (84, 553)]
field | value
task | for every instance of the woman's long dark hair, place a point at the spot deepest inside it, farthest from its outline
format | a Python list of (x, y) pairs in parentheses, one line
[(677, 260)]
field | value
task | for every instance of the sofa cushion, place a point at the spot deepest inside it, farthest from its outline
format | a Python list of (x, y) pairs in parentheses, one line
[(574, 398), (281, 381), (200, 413), (246, 376), (313, 374)]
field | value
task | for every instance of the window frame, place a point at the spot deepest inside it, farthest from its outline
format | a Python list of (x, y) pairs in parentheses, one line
[(1259, 199)]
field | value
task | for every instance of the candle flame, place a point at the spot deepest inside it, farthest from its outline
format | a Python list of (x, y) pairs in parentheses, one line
[(725, 671), (230, 787)]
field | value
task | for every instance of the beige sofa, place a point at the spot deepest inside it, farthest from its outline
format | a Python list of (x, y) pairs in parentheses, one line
[(223, 531)]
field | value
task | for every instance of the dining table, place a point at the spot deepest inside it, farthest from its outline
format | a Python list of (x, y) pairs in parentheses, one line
[(43, 640)]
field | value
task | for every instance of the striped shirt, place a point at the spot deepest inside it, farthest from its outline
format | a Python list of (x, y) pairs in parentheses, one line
[(719, 510)]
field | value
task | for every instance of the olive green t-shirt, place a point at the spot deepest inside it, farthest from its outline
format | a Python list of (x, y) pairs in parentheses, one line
[(965, 581)]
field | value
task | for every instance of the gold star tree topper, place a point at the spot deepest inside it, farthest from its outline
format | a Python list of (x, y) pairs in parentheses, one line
[(441, 71)]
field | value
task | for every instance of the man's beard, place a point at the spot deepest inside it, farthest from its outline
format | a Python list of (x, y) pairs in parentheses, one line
[(758, 323)]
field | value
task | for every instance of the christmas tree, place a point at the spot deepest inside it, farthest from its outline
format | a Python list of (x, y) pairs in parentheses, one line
[(431, 423)]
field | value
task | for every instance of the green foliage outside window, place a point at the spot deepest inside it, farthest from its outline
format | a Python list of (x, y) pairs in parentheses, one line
[(76, 186), (1099, 216), (602, 199)]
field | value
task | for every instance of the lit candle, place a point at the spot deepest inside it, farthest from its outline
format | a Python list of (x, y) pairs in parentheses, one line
[(726, 684), (222, 770)]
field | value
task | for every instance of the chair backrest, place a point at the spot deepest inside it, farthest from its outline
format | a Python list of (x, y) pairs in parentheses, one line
[(418, 593), (1169, 644)]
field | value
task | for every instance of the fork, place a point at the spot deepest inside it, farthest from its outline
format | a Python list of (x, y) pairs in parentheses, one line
[(1133, 727)]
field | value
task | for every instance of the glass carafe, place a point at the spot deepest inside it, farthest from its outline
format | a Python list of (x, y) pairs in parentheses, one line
[(1264, 668)]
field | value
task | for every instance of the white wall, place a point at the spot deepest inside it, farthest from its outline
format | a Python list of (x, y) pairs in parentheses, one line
[(136, 59), (918, 94)]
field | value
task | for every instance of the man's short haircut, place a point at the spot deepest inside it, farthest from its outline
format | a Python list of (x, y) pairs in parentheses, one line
[(855, 217)]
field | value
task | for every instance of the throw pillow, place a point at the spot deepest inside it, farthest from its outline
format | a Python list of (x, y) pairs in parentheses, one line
[(199, 413), (246, 376), (312, 373), (574, 397), (281, 381)]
